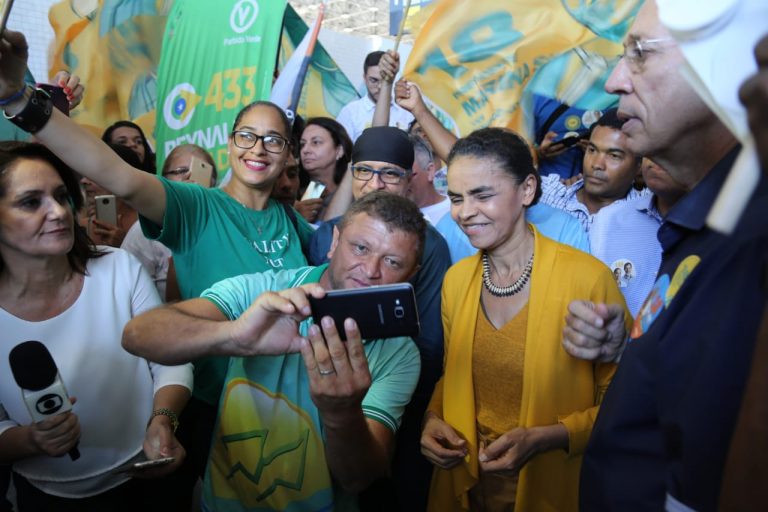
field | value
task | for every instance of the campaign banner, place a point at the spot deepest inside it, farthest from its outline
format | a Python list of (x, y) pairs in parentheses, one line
[(326, 88), (476, 60), (114, 47), (216, 59)]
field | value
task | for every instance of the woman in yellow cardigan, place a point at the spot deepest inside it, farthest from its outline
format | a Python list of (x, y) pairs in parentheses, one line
[(510, 417)]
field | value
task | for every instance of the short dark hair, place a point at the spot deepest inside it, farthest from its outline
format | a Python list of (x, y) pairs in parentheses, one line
[(126, 154), (610, 119), (508, 149), (261, 103), (372, 59), (149, 156), (340, 138), (395, 211), (12, 152)]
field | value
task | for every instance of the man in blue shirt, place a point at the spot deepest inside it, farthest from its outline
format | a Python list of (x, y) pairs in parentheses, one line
[(663, 430), (624, 237), (609, 173)]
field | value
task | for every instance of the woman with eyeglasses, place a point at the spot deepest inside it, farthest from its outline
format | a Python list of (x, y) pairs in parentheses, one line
[(512, 412), (213, 233)]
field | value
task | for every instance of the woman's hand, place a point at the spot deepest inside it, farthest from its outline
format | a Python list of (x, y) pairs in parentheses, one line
[(108, 234), (513, 449), (13, 62), (440, 443), (72, 87), (56, 435), (309, 208), (160, 442)]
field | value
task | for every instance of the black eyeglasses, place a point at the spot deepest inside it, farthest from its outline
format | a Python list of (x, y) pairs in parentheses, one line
[(179, 171), (388, 175), (246, 140)]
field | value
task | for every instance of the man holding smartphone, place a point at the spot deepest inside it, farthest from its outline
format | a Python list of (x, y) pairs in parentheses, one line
[(306, 429)]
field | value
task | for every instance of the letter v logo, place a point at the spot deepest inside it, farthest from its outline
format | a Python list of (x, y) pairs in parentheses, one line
[(243, 15)]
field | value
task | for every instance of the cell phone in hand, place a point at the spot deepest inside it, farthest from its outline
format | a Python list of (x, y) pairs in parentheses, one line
[(200, 172), (58, 96), (314, 190), (384, 311), (143, 465), (566, 142), (106, 209)]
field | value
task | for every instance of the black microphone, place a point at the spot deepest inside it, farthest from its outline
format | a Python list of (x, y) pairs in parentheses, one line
[(43, 391)]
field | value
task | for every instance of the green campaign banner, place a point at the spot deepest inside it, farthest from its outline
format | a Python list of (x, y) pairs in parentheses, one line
[(217, 57)]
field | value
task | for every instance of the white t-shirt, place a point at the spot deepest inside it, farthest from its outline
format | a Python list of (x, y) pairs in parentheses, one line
[(435, 212), (358, 115), (114, 389), (152, 254)]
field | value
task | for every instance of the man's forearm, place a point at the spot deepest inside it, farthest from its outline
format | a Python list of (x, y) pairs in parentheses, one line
[(357, 450), (169, 335)]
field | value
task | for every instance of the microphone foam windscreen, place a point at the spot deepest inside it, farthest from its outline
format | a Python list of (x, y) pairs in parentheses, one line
[(32, 366)]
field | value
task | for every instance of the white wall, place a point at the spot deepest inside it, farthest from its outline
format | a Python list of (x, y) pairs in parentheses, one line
[(349, 51), (31, 17)]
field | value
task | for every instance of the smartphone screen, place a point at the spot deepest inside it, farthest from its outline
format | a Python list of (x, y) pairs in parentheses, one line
[(314, 190), (106, 209), (58, 96), (384, 311)]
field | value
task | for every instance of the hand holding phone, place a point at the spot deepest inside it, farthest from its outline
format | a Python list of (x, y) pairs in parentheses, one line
[(384, 311), (58, 96), (314, 190), (106, 209), (143, 465), (200, 172)]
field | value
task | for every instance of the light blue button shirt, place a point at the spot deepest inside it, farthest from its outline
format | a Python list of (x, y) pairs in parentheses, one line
[(550, 222), (625, 233)]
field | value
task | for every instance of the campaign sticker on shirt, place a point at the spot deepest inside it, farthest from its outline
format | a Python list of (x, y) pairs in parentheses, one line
[(682, 272), (652, 307), (590, 117), (623, 272), (572, 122)]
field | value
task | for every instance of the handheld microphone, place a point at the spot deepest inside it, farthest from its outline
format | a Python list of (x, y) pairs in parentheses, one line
[(38, 377)]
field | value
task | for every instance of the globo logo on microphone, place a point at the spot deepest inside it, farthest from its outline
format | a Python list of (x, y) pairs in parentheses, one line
[(49, 404)]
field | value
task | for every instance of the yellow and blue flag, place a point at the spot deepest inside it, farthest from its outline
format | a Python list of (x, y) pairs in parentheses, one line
[(481, 62)]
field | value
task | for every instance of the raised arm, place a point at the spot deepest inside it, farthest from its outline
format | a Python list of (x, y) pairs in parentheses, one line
[(186, 331), (388, 65), (75, 145), (408, 96)]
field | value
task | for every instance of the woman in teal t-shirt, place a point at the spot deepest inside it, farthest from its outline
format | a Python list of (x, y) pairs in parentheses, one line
[(213, 233)]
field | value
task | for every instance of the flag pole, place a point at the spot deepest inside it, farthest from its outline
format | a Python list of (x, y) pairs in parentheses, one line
[(299, 84), (402, 25)]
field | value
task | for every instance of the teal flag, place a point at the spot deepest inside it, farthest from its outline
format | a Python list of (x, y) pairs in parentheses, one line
[(217, 57)]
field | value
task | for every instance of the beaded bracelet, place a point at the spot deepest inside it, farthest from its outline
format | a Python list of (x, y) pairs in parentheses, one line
[(13, 97), (165, 412)]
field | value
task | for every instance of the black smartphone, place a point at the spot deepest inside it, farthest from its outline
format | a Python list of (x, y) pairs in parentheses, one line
[(383, 311), (565, 142), (58, 96)]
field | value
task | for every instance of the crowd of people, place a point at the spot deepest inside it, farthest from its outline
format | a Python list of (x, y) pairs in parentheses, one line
[(586, 341)]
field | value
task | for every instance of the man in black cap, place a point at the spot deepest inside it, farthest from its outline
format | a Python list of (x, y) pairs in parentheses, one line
[(382, 158)]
